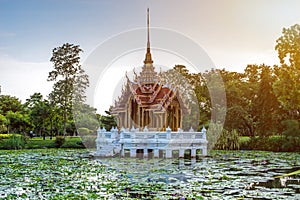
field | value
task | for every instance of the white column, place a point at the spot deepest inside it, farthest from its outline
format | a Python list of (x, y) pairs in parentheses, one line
[(181, 153), (145, 153), (156, 153), (204, 151), (122, 152), (133, 153), (168, 153), (193, 153)]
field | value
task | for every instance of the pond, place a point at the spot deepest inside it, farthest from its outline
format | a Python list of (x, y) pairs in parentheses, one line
[(72, 174)]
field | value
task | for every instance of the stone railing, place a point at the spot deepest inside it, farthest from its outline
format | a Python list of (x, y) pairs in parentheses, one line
[(126, 134), (145, 140)]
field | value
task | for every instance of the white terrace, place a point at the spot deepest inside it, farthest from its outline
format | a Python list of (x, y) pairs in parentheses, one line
[(150, 144)]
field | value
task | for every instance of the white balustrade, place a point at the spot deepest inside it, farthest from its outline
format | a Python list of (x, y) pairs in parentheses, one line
[(166, 141)]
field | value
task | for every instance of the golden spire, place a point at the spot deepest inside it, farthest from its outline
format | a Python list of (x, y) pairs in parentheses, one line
[(148, 58)]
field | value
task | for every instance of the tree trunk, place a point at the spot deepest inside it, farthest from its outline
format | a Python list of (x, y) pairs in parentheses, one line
[(51, 128), (65, 123)]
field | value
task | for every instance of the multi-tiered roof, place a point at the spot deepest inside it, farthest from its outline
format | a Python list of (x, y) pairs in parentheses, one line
[(147, 88)]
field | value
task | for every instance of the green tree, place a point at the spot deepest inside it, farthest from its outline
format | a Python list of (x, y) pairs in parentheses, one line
[(3, 123), (71, 80), (287, 87), (17, 122), (238, 116), (266, 104), (9, 103), (86, 118), (14, 116), (107, 121), (39, 112)]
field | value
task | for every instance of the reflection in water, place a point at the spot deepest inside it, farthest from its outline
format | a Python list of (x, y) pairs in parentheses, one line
[(224, 174)]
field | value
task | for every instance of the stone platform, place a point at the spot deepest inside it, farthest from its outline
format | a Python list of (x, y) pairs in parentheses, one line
[(135, 143)]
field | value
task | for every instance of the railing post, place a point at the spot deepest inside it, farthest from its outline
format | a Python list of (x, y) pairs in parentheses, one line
[(204, 151), (132, 134), (168, 130), (156, 153), (103, 130), (122, 133), (203, 133), (112, 135)]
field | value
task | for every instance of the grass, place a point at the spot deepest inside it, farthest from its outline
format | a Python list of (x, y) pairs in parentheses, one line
[(40, 143)]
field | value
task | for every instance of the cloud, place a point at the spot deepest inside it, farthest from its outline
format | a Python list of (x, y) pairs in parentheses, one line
[(22, 79)]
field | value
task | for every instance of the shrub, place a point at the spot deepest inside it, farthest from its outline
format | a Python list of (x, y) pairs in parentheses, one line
[(274, 143), (83, 131), (4, 136), (14, 141), (59, 141), (291, 135), (89, 141), (7, 136), (228, 140), (73, 142)]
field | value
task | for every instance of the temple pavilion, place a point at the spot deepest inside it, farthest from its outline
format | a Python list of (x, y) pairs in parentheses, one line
[(147, 101)]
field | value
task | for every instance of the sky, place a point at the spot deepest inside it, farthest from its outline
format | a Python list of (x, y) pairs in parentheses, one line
[(233, 33)]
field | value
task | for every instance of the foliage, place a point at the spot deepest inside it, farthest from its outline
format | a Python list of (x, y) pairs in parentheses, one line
[(40, 143), (267, 106), (3, 123), (17, 122), (85, 117), (83, 131), (9, 103), (185, 83), (291, 135), (272, 143), (39, 112), (287, 86), (59, 141), (275, 143), (228, 140), (213, 133), (71, 80), (73, 142), (107, 121), (6, 136), (89, 140), (12, 115), (13, 142)]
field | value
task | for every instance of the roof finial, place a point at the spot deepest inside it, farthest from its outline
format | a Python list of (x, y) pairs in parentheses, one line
[(148, 58), (148, 31)]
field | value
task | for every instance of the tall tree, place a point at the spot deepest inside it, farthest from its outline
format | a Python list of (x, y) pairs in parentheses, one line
[(267, 106), (71, 80), (287, 87)]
